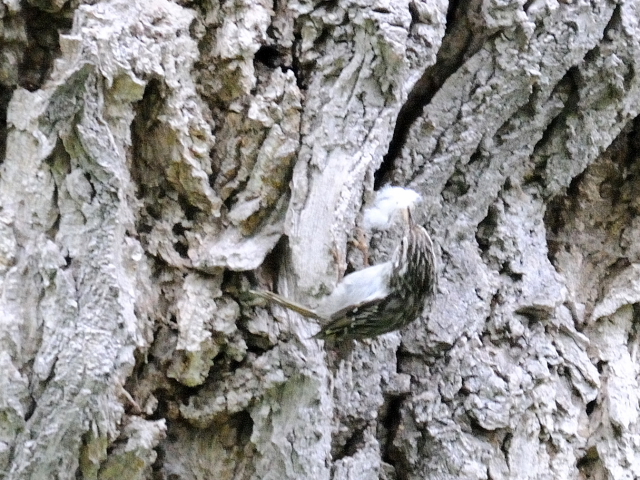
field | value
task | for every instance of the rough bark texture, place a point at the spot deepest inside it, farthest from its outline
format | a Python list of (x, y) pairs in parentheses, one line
[(161, 158)]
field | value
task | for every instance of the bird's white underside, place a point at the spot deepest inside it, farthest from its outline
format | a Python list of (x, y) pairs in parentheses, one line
[(359, 287)]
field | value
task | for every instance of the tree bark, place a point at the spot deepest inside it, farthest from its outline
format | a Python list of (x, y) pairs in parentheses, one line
[(160, 159)]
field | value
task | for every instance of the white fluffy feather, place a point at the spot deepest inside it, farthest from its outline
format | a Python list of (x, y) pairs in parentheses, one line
[(389, 200)]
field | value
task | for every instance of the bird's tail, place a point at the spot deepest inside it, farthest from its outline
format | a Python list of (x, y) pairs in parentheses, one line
[(283, 302)]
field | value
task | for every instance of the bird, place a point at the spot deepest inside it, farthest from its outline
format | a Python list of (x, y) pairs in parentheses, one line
[(380, 298)]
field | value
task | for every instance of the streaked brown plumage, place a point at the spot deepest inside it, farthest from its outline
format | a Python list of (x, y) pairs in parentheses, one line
[(377, 299)]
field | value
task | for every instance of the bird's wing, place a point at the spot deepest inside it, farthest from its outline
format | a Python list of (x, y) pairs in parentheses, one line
[(357, 289), (352, 310), (355, 317)]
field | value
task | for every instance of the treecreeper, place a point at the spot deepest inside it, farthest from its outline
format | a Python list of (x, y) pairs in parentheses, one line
[(384, 297)]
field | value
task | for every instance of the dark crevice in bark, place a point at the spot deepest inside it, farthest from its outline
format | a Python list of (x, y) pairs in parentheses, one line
[(31, 406), (589, 463), (181, 248), (478, 430), (534, 314), (243, 423), (43, 44), (190, 211), (59, 166), (615, 24), (149, 173), (462, 39), (256, 350), (633, 337), (266, 276), (92, 195), (555, 218), (351, 446), (230, 434), (568, 90), (507, 270), (147, 111), (348, 438), (506, 444), (181, 245), (594, 221), (617, 176), (390, 421), (302, 69), (486, 229), (296, 66), (5, 96), (268, 56), (55, 228), (455, 187)]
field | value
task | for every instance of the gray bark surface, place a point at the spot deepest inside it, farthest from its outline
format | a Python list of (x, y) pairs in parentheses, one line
[(160, 159)]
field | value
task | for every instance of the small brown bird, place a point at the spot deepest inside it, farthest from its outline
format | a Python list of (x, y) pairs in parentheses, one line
[(377, 299)]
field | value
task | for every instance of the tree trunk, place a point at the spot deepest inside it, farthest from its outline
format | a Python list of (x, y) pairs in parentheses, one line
[(161, 159)]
